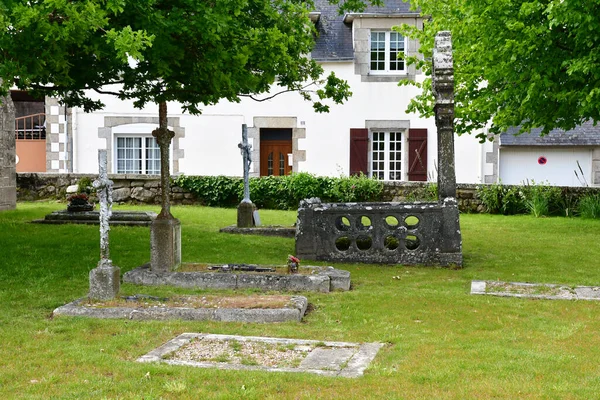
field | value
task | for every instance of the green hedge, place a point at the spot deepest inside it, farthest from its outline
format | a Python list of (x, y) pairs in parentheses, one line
[(281, 193)]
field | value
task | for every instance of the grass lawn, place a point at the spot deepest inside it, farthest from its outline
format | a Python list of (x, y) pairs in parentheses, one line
[(441, 341)]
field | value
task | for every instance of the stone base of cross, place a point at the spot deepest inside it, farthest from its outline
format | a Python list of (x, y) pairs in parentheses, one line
[(105, 281)]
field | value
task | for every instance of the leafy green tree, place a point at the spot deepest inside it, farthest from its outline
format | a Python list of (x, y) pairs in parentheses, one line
[(517, 62), (190, 51)]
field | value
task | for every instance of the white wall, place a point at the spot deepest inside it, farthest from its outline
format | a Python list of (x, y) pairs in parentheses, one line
[(210, 142), (520, 164)]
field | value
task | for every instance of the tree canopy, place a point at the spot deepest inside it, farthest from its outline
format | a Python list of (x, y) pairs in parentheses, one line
[(194, 52), (517, 62)]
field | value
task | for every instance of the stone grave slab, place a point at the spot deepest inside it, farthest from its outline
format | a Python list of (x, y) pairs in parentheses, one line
[(535, 290), (293, 309), (322, 279), (233, 352), (127, 218)]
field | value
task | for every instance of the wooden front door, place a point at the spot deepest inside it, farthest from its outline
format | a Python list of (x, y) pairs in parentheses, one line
[(274, 157)]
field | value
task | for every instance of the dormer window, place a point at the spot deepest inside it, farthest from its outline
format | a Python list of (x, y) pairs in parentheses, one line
[(385, 48)]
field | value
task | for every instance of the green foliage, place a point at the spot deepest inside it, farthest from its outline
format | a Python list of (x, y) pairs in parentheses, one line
[(542, 200), (193, 52), (356, 188), (213, 191), (589, 206), (84, 185), (519, 63), (281, 193), (502, 199)]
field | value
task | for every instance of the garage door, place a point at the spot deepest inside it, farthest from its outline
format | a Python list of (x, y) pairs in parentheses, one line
[(556, 166)]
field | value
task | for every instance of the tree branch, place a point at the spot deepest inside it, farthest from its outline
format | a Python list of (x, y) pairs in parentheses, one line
[(278, 93)]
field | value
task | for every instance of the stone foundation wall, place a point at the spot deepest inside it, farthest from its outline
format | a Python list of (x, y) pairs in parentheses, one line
[(144, 189), (128, 188)]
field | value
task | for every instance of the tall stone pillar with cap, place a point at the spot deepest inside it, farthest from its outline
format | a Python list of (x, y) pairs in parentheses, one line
[(8, 173), (443, 90)]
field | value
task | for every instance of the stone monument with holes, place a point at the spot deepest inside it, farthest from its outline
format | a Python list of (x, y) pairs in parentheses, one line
[(245, 210), (426, 233), (105, 279), (8, 173)]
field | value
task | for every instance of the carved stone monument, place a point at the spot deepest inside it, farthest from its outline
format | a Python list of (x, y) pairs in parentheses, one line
[(425, 233), (443, 90), (105, 279), (8, 174), (246, 208), (165, 232)]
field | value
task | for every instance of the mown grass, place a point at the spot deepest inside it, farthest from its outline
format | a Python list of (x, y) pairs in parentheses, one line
[(441, 341)]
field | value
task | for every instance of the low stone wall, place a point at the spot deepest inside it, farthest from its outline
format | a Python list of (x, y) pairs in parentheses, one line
[(144, 189), (128, 188)]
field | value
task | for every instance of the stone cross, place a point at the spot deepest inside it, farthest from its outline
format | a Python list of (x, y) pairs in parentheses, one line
[(103, 187), (105, 280), (443, 90), (245, 148)]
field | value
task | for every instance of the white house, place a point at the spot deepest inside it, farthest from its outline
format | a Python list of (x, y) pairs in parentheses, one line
[(371, 132)]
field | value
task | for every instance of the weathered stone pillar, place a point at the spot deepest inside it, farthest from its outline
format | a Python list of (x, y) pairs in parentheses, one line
[(8, 173), (165, 232), (105, 280), (443, 90)]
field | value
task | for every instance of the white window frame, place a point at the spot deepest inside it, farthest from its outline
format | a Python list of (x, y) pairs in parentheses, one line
[(141, 131), (387, 62), (387, 154)]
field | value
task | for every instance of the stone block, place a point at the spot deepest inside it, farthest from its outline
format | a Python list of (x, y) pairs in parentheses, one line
[(121, 194), (105, 281), (165, 244), (244, 215), (141, 194)]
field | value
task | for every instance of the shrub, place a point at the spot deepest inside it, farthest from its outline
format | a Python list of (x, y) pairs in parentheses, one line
[(501, 199), (215, 191), (542, 199), (281, 192), (589, 206)]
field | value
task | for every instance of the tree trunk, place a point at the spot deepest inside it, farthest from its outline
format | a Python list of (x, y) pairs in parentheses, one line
[(163, 137)]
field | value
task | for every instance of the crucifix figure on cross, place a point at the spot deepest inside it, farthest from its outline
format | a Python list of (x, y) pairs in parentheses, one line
[(245, 149)]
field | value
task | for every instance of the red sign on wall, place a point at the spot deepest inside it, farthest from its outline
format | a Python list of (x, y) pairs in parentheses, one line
[(542, 160)]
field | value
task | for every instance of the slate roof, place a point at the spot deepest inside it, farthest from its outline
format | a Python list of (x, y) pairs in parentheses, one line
[(585, 134), (334, 42)]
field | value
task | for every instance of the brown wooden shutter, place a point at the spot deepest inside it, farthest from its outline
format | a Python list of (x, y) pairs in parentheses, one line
[(359, 151), (417, 154)]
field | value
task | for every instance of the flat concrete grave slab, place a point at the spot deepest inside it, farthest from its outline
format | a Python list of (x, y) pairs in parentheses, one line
[(128, 218), (234, 352), (274, 230), (264, 277), (252, 308), (535, 290)]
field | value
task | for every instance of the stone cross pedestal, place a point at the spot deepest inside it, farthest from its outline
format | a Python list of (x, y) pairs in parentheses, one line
[(105, 280), (246, 208), (8, 173)]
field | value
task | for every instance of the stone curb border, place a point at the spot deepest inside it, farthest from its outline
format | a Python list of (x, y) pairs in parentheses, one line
[(327, 280), (281, 231), (565, 292), (127, 218), (354, 366), (294, 311)]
